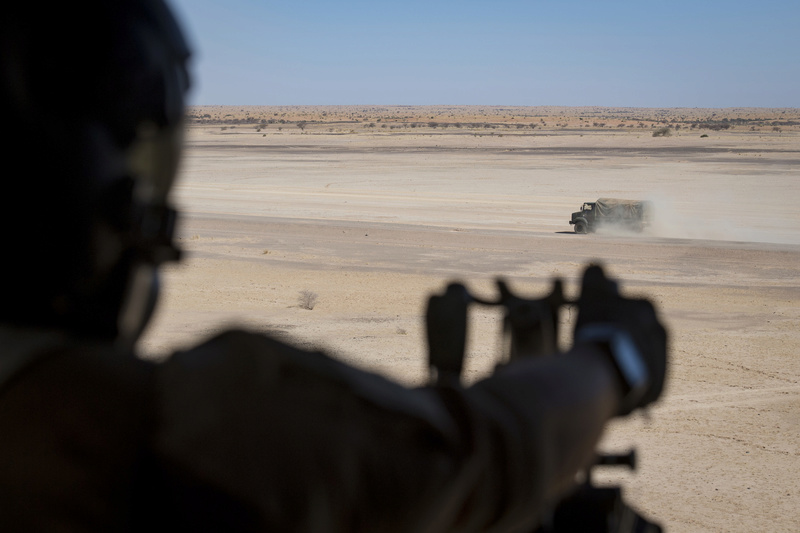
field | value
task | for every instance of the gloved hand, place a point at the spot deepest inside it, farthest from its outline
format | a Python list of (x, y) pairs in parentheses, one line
[(630, 332)]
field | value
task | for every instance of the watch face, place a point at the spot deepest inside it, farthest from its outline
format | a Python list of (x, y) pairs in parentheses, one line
[(630, 363), (625, 356)]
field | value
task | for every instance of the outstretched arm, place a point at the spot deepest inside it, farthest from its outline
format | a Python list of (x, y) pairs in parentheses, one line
[(292, 440)]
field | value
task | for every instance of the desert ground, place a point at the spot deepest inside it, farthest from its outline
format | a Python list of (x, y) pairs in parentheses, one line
[(330, 226)]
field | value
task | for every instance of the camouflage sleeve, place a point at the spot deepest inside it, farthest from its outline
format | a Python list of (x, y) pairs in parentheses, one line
[(259, 435)]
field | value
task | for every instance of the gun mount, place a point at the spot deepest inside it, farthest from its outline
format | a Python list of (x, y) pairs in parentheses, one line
[(530, 328)]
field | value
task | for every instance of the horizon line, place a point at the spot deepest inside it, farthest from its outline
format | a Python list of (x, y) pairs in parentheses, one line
[(497, 105)]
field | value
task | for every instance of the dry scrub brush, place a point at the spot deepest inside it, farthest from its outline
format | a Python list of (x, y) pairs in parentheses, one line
[(307, 299)]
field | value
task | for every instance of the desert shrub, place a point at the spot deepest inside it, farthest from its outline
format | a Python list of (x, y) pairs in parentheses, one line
[(662, 132), (307, 299)]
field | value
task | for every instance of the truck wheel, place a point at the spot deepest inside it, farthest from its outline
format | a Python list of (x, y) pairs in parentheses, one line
[(580, 227)]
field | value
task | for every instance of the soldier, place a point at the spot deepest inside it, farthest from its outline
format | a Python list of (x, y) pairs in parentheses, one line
[(241, 432)]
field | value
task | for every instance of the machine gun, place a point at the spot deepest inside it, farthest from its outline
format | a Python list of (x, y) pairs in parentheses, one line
[(530, 329)]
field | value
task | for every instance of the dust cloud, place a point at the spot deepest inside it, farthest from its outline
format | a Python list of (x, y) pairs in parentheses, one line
[(718, 221)]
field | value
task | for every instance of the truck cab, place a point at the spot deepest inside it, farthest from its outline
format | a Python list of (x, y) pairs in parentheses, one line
[(583, 220)]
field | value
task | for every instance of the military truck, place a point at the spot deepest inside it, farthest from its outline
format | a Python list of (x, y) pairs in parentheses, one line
[(632, 215)]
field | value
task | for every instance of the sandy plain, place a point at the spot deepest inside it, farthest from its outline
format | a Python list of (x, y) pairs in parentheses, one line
[(372, 215)]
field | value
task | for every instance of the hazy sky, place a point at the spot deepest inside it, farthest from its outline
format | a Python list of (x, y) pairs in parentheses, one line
[(644, 53)]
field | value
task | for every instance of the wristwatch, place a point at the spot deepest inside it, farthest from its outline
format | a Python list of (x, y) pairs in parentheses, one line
[(625, 356)]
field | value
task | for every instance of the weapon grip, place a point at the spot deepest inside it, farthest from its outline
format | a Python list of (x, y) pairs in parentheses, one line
[(446, 327)]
